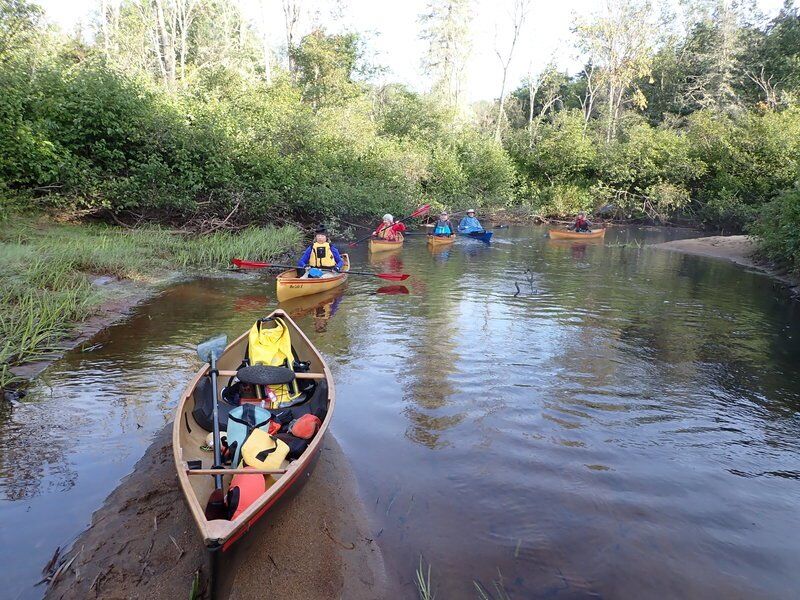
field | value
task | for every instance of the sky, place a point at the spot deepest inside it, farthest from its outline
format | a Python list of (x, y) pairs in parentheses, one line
[(391, 29)]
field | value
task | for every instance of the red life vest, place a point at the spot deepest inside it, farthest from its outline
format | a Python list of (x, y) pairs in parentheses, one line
[(391, 233)]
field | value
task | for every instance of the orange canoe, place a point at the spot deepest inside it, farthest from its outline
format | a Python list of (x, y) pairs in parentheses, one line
[(562, 234)]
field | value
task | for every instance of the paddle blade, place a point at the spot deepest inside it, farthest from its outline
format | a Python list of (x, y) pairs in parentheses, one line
[(420, 211), (212, 347), (393, 276), (216, 509), (248, 264)]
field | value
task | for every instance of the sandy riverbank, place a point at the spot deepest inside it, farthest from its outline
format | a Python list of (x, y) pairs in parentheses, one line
[(739, 249), (143, 544)]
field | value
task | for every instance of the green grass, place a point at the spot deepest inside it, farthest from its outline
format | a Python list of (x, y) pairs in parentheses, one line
[(45, 268)]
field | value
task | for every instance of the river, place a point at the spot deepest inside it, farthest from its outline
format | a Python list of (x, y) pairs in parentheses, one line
[(555, 419)]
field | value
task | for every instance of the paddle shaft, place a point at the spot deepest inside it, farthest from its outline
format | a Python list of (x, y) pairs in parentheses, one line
[(217, 443), (257, 265), (420, 211)]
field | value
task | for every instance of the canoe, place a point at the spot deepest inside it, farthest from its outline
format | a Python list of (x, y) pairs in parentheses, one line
[(482, 236), (376, 245), (289, 285), (562, 234), (437, 241), (188, 437)]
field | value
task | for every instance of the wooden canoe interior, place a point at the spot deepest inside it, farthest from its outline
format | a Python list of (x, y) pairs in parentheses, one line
[(189, 436)]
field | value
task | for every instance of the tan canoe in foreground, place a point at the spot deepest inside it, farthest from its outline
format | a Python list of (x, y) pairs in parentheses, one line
[(289, 285), (563, 234), (188, 437)]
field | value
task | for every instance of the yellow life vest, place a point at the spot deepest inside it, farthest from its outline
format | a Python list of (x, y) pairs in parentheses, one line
[(321, 255), (272, 346)]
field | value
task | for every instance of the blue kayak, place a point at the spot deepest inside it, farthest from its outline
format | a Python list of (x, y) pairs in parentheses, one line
[(483, 235)]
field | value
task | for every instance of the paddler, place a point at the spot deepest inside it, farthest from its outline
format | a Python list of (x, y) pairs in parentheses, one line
[(443, 227), (389, 230), (581, 224), (321, 254), (470, 224)]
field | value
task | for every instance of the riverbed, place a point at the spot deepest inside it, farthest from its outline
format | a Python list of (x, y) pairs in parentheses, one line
[(558, 419)]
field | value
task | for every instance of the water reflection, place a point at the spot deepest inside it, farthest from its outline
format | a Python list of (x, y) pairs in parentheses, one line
[(590, 419)]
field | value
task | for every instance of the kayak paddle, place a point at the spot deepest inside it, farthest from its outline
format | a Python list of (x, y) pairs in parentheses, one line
[(250, 264), (417, 213)]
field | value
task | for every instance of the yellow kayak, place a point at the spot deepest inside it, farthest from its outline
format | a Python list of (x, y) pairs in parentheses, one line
[(378, 245), (289, 285), (435, 241), (562, 234)]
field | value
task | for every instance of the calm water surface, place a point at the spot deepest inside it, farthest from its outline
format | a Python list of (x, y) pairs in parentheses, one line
[(564, 420)]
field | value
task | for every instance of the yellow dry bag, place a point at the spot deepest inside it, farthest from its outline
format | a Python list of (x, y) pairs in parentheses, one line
[(263, 451), (272, 346)]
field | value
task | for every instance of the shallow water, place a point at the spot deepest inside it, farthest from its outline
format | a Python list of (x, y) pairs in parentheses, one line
[(561, 419)]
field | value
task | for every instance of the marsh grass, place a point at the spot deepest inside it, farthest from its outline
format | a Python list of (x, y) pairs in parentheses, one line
[(423, 581), (45, 271)]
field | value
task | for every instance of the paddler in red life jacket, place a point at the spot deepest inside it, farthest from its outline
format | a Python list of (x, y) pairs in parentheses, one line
[(320, 254), (389, 230), (443, 227), (581, 224)]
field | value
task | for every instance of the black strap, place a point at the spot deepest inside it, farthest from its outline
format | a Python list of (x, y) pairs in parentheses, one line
[(265, 453)]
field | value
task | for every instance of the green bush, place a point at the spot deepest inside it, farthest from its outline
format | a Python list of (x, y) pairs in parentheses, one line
[(778, 229)]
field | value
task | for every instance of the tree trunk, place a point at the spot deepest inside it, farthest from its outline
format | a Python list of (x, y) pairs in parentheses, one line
[(167, 44)]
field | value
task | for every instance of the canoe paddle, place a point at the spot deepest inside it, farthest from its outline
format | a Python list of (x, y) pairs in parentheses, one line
[(209, 351), (417, 213), (251, 264)]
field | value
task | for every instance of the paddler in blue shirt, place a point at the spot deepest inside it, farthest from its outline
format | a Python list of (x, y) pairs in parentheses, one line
[(470, 224), (443, 227), (321, 254)]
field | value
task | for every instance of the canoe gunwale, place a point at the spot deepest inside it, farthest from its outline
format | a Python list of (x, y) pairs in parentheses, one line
[(221, 533)]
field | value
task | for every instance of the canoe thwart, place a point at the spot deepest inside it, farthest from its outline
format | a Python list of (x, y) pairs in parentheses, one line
[(247, 471), (228, 373)]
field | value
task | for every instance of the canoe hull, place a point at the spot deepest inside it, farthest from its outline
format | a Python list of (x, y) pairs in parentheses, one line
[(481, 236), (560, 234), (384, 245), (288, 285), (188, 437), (437, 242)]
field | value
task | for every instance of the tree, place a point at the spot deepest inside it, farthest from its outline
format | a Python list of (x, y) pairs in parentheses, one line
[(19, 20), (712, 56), (291, 16), (618, 42), (547, 85), (445, 27), (325, 67), (517, 20)]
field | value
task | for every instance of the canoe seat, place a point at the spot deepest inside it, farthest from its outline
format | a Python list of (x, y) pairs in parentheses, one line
[(265, 375)]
